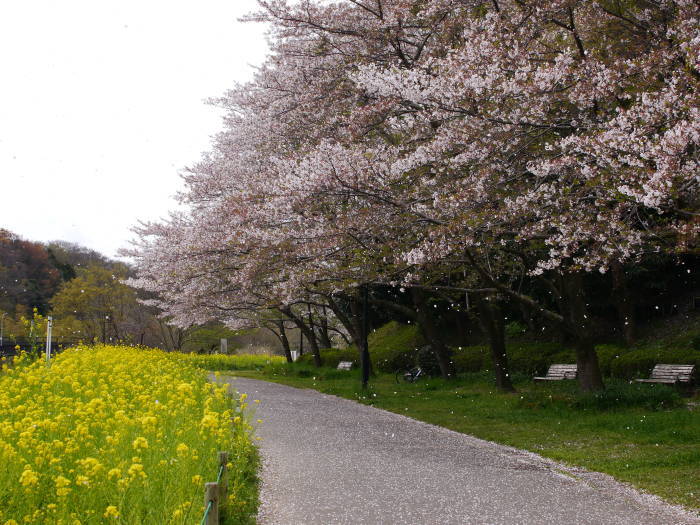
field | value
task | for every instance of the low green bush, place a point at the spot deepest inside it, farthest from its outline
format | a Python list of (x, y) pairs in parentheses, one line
[(332, 356), (640, 362), (523, 358), (391, 347), (607, 355), (534, 358), (394, 346), (470, 359)]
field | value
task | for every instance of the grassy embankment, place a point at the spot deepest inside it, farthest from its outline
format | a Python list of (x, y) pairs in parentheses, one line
[(646, 435), (119, 434)]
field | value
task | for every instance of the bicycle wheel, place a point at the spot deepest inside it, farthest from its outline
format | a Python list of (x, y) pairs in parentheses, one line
[(409, 375), (413, 375)]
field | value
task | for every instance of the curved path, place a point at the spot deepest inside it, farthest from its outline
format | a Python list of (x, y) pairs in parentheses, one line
[(328, 460)]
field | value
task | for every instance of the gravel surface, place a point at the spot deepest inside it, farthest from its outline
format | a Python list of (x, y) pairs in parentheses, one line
[(328, 460)]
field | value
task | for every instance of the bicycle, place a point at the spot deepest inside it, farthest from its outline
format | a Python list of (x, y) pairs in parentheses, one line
[(410, 375)]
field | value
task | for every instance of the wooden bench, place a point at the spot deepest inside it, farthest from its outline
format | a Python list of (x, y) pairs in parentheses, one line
[(345, 365), (558, 373), (671, 375)]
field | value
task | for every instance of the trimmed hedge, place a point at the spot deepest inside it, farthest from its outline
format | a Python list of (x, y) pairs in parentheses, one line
[(615, 361), (524, 358), (391, 347), (331, 357), (640, 362), (395, 346)]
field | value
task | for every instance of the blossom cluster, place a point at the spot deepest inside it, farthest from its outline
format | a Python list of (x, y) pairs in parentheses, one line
[(384, 138)]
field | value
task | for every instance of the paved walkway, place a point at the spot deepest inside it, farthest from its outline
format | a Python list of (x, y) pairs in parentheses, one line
[(328, 460)]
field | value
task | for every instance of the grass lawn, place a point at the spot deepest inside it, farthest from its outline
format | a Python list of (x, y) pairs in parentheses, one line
[(641, 434)]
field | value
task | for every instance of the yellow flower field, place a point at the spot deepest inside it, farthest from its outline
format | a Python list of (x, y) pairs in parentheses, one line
[(112, 434), (230, 362)]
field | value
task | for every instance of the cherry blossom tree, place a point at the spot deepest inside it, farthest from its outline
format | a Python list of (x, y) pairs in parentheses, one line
[(383, 139)]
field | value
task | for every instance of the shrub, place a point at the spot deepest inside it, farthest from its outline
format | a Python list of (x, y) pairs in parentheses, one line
[(640, 362), (394, 346), (533, 358), (332, 356), (564, 356), (468, 359), (391, 347), (607, 355), (695, 342)]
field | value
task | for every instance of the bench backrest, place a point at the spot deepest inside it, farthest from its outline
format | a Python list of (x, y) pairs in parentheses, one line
[(681, 373), (562, 371), (345, 365)]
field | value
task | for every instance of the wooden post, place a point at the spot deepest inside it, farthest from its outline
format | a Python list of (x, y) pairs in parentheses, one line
[(211, 494), (223, 482)]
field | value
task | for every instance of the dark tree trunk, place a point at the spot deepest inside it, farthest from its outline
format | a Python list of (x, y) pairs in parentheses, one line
[(313, 342), (431, 332), (492, 322), (359, 326), (307, 332), (578, 325), (281, 334), (323, 336), (623, 301), (347, 319)]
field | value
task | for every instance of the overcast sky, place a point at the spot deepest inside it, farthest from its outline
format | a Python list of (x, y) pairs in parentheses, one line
[(101, 103)]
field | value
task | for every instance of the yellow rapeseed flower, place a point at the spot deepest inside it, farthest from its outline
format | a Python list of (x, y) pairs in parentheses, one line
[(28, 477), (62, 486), (140, 443), (111, 512)]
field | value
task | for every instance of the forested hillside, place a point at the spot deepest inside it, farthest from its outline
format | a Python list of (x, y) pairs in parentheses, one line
[(84, 292)]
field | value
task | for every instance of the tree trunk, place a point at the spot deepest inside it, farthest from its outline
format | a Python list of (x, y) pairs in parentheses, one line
[(348, 321), (323, 335), (492, 321), (307, 332), (431, 333), (281, 334), (623, 301), (356, 308), (578, 325), (284, 341)]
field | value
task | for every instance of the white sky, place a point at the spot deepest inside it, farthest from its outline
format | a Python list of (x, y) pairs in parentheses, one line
[(101, 103)]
